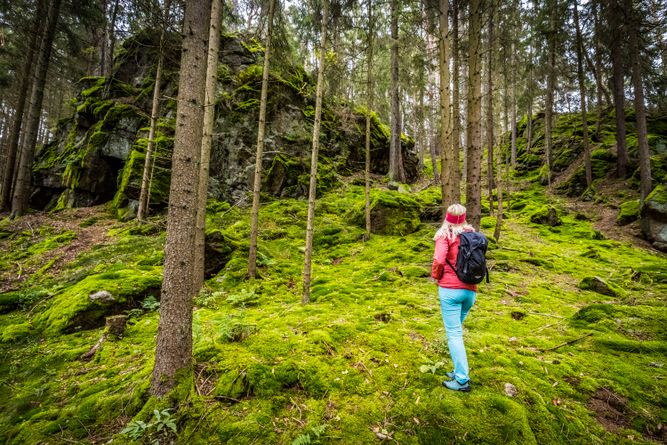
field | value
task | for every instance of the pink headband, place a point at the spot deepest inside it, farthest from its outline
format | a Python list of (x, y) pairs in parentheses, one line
[(453, 219)]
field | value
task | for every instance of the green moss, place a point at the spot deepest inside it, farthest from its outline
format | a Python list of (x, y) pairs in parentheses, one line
[(628, 212), (659, 195), (73, 308), (15, 332)]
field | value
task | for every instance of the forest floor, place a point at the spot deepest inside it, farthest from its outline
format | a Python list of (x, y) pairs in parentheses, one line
[(566, 344)]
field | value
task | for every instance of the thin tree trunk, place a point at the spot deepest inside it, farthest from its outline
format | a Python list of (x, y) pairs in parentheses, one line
[(529, 125), (432, 139), (173, 354), (24, 89), (514, 135), (110, 40), (474, 122), (598, 66), (144, 194), (394, 146), (645, 182), (207, 139), (257, 184), (551, 86), (446, 154), (582, 94), (489, 109), (456, 105), (614, 17), (499, 190), (313, 161), (369, 106), (23, 177)]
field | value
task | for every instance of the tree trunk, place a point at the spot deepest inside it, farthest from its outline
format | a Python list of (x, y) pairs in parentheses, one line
[(529, 125), (551, 86), (110, 41), (173, 354), (513, 68), (474, 127), (394, 146), (582, 94), (499, 190), (313, 161), (489, 109), (598, 66), (12, 149), (614, 17), (456, 105), (645, 182), (432, 140), (446, 154), (257, 184), (369, 106), (207, 139), (24, 176), (145, 193)]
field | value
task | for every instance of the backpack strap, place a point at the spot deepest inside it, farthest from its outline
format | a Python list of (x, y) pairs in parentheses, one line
[(450, 265)]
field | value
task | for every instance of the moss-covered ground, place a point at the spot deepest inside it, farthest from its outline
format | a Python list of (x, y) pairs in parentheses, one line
[(364, 361)]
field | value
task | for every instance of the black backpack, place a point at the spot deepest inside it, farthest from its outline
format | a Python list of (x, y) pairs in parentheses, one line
[(471, 259)]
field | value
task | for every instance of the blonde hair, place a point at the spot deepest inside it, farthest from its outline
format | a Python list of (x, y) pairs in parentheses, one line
[(450, 231)]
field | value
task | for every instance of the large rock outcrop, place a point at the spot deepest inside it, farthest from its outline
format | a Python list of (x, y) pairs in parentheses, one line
[(99, 152), (654, 218)]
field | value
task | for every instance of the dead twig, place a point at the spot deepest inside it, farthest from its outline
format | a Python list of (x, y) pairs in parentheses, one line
[(567, 342), (545, 315)]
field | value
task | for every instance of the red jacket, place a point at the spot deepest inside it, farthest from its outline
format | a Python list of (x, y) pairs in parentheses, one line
[(445, 249)]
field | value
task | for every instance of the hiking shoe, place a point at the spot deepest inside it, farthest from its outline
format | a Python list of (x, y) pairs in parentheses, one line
[(456, 386), (450, 375)]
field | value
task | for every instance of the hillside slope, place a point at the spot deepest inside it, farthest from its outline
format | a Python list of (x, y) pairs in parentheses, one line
[(574, 321)]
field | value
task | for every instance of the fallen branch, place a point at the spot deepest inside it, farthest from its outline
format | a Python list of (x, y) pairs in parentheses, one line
[(545, 315), (91, 352), (568, 342)]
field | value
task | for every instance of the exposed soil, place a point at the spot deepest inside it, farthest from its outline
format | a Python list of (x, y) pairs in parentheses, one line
[(603, 214), (70, 219), (610, 409)]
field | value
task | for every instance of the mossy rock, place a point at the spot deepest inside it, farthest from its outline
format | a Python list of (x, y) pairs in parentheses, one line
[(628, 212), (392, 213), (74, 309), (654, 217), (218, 250), (598, 285), (546, 215)]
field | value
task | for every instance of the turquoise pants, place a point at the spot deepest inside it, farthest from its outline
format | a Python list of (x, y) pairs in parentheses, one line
[(455, 305)]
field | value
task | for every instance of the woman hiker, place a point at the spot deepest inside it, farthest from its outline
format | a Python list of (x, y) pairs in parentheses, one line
[(456, 297)]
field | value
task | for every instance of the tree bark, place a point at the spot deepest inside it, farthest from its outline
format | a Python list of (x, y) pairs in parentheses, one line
[(645, 182), (145, 193), (456, 105), (598, 66), (474, 127), (313, 161), (395, 142), (446, 152), (432, 139), (551, 86), (489, 110), (24, 176), (12, 149), (207, 140), (614, 17), (257, 183), (173, 355), (582, 94), (110, 41), (369, 106)]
